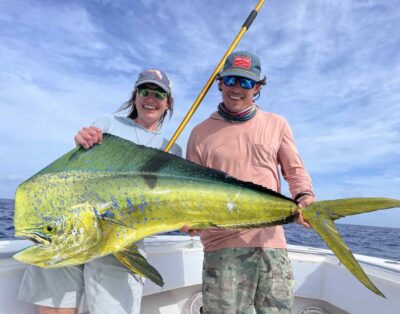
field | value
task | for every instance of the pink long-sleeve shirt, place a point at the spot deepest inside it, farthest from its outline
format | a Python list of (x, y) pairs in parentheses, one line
[(250, 151)]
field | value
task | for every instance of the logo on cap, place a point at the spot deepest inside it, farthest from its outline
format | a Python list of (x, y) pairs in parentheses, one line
[(242, 62), (156, 73)]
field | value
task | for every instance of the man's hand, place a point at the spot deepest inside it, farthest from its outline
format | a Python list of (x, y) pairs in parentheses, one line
[(304, 201), (191, 232), (87, 137)]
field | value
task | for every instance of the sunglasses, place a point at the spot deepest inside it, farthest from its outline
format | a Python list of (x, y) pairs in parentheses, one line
[(245, 83), (145, 91)]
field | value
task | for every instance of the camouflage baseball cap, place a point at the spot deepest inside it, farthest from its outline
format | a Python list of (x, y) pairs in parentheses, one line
[(157, 77), (244, 64)]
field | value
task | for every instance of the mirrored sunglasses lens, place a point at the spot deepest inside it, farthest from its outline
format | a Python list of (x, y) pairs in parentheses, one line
[(247, 83), (144, 92), (160, 95), (229, 80)]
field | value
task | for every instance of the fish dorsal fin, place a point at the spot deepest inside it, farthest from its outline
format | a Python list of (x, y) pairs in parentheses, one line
[(119, 155), (131, 258), (114, 154)]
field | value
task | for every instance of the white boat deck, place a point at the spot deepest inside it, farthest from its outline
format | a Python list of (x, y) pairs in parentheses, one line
[(322, 284)]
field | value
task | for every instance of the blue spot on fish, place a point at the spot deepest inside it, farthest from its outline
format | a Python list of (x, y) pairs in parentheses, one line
[(143, 204), (116, 206), (130, 205), (108, 214)]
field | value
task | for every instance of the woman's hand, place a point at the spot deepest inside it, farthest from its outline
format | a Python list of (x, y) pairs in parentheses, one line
[(89, 136)]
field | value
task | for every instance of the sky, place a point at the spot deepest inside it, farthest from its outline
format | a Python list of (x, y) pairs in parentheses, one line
[(333, 71)]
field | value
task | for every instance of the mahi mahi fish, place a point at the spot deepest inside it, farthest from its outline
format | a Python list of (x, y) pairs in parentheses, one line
[(91, 203)]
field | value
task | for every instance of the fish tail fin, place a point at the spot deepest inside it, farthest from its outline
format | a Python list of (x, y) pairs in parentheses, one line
[(336, 209), (321, 216)]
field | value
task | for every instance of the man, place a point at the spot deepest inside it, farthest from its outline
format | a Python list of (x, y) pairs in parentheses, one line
[(246, 268)]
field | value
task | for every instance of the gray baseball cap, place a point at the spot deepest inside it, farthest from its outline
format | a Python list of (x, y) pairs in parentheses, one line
[(157, 77), (244, 64)]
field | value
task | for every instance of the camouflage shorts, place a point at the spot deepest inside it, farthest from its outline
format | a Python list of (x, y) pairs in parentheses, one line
[(239, 280)]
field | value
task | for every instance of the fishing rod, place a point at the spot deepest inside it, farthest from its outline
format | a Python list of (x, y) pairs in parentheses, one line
[(210, 81)]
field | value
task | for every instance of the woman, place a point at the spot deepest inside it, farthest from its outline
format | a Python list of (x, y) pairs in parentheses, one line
[(108, 286)]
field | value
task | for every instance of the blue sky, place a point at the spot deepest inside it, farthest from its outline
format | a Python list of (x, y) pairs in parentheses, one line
[(333, 70)]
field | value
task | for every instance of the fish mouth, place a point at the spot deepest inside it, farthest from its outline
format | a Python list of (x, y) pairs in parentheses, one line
[(38, 238)]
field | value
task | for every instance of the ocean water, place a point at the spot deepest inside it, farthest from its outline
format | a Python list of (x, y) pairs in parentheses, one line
[(6, 218), (366, 240)]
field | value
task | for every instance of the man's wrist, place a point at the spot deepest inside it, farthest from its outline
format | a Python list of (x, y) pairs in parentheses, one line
[(301, 194)]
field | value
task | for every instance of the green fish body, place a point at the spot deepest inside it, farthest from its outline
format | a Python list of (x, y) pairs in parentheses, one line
[(91, 203)]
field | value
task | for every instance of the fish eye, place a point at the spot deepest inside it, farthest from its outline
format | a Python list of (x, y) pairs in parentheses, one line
[(49, 228)]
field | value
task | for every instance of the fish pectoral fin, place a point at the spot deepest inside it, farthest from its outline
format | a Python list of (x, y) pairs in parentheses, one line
[(326, 229), (131, 258), (110, 216)]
